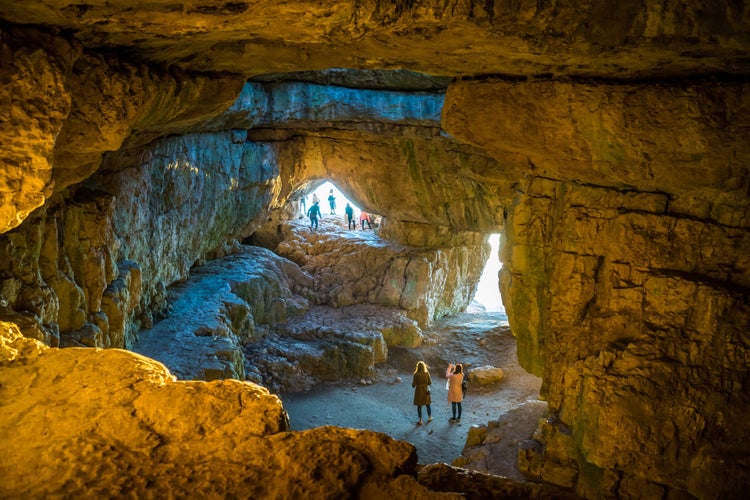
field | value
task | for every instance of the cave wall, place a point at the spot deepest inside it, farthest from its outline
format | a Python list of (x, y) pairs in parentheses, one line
[(154, 210), (64, 108), (630, 273)]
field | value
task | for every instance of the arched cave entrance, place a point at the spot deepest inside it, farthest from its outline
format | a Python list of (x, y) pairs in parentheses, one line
[(488, 297), (326, 189), (321, 190)]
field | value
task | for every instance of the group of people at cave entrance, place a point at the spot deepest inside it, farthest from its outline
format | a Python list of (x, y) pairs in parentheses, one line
[(421, 382), (314, 213)]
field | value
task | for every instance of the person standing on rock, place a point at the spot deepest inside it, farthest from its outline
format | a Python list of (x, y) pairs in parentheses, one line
[(332, 202), (350, 224), (365, 217), (303, 203), (455, 377), (314, 213), (421, 382)]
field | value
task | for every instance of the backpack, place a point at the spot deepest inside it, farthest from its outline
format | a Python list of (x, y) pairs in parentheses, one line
[(464, 386)]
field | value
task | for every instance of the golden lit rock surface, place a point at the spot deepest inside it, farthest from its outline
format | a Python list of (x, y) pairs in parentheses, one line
[(66, 109), (114, 423), (462, 37), (649, 139)]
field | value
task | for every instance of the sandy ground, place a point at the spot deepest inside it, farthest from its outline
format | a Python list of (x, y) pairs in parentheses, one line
[(386, 404)]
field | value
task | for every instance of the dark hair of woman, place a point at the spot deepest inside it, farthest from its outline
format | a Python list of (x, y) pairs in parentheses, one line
[(421, 367), (458, 368)]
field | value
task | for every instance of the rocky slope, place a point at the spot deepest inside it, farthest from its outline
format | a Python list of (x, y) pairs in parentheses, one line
[(132, 430)]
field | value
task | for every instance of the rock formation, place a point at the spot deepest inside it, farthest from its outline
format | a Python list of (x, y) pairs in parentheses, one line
[(115, 423), (426, 279), (608, 142)]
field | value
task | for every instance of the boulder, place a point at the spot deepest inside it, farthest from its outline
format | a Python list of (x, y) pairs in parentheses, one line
[(485, 375), (79, 420)]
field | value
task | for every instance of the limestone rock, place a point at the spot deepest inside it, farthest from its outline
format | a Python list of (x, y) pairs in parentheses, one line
[(35, 102), (489, 447), (355, 267), (611, 150), (442, 477), (630, 288), (63, 262), (85, 105), (424, 182), (115, 421), (485, 375), (225, 303), (627, 41), (328, 344), (633, 141)]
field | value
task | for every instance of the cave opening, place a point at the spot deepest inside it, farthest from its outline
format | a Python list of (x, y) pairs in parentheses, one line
[(488, 297), (326, 189)]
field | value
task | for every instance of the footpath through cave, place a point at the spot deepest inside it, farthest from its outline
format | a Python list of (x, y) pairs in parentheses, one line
[(257, 315), (500, 415)]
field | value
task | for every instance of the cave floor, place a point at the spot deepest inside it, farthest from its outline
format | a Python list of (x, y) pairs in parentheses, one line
[(385, 405)]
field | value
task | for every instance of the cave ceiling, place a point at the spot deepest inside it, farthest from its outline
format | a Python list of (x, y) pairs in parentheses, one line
[(622, 40), (122, 74)]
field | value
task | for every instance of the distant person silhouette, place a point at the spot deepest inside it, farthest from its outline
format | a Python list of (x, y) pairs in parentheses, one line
[(455, 377), (303, 204), (350, 224), (421, 382), (365, 217), (314, 214), (332, 202)]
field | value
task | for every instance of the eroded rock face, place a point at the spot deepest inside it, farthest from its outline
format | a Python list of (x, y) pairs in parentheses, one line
[(35, 105), (224, 304), (225, 184), (627, 282), (684, 141), (629, 297), (103, 255), (355, 267), (118, 423), (432, 36), (67, 108)]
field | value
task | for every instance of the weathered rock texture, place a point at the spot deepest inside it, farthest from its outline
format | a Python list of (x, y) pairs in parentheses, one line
[(118, 424), (650, 38), (607, 140), (224, 304), (428, 281), (64, 109), (259, 301), (628, 282), (487, 446)]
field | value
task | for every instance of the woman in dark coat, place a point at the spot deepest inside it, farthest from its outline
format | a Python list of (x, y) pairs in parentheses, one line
[(421, 382)]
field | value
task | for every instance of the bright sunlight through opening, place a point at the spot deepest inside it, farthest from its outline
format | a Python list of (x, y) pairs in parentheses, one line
[(488, 291), (323, 192)]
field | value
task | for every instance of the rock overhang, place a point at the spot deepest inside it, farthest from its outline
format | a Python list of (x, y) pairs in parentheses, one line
[(622, 40)]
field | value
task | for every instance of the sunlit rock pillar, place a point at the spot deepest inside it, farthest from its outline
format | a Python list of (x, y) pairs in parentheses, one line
[(626, 277)]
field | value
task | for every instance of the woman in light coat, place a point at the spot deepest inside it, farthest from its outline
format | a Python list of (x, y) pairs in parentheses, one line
[(421, 382), (455, 377)]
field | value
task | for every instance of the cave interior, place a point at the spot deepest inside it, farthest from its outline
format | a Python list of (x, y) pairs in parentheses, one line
[(146, 145)]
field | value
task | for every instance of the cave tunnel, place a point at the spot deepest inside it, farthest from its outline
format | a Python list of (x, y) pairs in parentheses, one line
[(607, 144)]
